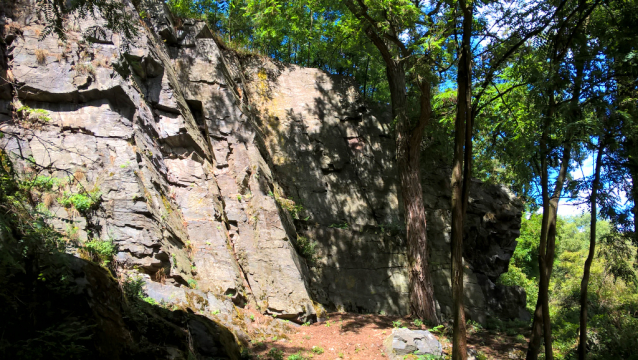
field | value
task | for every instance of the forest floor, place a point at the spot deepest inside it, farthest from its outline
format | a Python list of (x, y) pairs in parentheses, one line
[(361, 337)]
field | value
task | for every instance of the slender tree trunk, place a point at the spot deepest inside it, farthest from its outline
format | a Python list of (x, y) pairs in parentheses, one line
[(582, 344), (541, 325), (461, 176)]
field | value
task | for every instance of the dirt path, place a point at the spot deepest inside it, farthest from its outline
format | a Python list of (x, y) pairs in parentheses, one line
[(361, 336)]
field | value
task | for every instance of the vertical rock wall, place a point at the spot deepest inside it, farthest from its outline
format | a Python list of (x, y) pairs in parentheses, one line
[(213, 168)]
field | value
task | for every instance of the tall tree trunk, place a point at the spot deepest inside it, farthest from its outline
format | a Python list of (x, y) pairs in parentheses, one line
[(408, 148), (461, 173), (582, 342)]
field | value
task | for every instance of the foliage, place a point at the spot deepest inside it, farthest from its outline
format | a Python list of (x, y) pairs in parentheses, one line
[(298, 356), (82, 202), (276, 354), (293, 208), (34, 280), (117, 18), (33, 115), (306, 247), (192, 283), (343, 226), (100, 251), (613, 293)]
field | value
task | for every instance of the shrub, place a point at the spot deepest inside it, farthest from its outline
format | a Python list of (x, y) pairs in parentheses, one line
[(289, 205), (33, 115), (100, 251), (306, 247), (83, 203)]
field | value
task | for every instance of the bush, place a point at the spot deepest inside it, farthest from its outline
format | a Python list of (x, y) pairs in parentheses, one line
[(83, 203), (100, 251), (306, 247)]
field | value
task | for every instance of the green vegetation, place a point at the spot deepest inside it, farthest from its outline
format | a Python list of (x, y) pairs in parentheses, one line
[(417, 322), (306, 247), (343, 226), (317, 350), (100, 251), (294, 209), (82, 202), (397, 324), (613, 290), (33, 115), (298, 356), (192, 283), (276, 354)]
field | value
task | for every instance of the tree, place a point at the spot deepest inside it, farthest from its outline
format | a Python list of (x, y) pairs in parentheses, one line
[(461, 178), (408, 58)]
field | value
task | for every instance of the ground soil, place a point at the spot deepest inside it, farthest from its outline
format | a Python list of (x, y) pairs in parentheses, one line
[(361, 337)]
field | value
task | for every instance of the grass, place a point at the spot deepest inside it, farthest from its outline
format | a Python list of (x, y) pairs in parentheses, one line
[(84, 69), (298, 356)]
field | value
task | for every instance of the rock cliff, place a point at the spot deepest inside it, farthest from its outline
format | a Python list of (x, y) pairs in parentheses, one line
[(254, 182)]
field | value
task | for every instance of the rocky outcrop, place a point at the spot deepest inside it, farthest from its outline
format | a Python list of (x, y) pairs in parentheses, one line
[(334, 155), (214, 169), (86, 315)]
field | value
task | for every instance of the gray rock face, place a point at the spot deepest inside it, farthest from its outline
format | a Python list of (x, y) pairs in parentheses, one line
[(211, 166), (404, 342)]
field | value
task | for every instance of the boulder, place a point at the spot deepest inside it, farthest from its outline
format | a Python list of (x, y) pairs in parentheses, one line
[(404, 342)]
